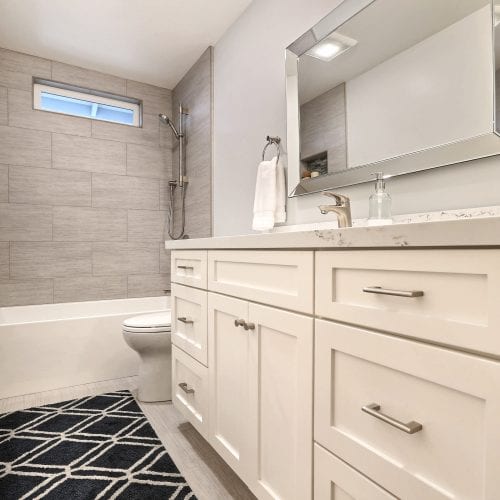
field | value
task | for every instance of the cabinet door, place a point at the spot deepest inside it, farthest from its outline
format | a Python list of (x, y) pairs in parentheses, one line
[(228, 381), (280, 417)]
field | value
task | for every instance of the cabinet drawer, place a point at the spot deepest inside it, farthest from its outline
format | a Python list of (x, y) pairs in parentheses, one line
[(189, 267), (190, 389), (457, 304), (189, 321), (335, 480), (454, 396), (279, 278)]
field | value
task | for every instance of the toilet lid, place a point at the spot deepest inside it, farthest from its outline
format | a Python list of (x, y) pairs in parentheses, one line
[(148, 321)]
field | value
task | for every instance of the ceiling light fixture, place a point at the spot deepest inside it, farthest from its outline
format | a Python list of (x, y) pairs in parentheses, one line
[(331, 47)]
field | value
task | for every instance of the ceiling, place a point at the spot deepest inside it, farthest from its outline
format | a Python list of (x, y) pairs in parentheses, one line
[(151, 41)]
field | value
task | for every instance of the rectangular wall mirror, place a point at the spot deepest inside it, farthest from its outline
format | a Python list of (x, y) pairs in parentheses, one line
[(392, 86)]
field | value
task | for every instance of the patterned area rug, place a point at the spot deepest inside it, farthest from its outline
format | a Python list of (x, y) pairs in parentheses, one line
[(95, 447)]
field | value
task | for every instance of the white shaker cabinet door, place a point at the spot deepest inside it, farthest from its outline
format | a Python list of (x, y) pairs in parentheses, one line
[(281, 403), (228, 381)]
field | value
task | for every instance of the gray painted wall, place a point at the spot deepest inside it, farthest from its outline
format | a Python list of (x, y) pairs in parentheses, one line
[(82, 202), (250, 103)]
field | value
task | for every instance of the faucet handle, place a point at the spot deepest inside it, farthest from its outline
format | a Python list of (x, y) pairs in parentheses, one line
[(340, 199)]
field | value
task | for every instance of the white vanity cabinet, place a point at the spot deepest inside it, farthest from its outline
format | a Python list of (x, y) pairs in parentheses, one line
[(260, 366), (396, 350)]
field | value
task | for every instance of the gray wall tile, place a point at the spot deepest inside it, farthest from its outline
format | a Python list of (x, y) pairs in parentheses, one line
[(195, 91), (89, 288), (155, 100), (21, 293), (99, 249), (4, 183), (147, 161), (4, 260), (164, 259), (323, 127), (88, 154), (165, 195), (148, 285), (3, 106), (46, 186), (125, 258), (22, 114), (20, 146), (88, 78), (89, 224), (49, 259), (122, 191), (25, 222), (17, 70), (17, 61), (146, 225), (148, 134)]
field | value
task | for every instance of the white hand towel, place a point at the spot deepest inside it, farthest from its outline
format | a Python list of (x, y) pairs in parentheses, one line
[(269, 204), (280, 211)]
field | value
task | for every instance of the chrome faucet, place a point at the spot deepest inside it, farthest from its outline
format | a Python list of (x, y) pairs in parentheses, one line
[(342, 208)]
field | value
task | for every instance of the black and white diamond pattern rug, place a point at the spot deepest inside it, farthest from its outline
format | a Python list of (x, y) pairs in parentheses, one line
[(96, 447)]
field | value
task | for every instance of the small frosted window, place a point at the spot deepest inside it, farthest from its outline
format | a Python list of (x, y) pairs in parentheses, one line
[(75, 101)]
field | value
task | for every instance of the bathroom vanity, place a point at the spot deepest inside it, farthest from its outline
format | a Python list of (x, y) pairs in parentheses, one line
[(361, 361)]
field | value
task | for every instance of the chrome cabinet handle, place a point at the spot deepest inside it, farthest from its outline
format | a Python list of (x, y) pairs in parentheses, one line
[(249, 326), (185, 267), (185, 388), (398, 293), (239, 322), (373, 409), (185, 321)]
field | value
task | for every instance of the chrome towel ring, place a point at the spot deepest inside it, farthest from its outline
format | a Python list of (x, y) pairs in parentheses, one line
[(272, 140)]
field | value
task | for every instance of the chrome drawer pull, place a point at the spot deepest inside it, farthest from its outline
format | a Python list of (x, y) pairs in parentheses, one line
[(249, 326), (185, 267), (185, 388), (373, 409), (239, 322), (397, 293), (185, 321)]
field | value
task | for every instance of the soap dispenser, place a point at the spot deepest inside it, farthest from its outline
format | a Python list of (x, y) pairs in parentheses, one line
[(380, 204)]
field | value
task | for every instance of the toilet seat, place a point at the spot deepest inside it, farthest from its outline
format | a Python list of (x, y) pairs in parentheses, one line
[(149, 323)]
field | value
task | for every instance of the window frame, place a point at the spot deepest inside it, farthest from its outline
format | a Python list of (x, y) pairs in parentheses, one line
[(89, 95)]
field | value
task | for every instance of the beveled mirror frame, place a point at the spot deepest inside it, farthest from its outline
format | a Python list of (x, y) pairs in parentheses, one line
[(476, 147)]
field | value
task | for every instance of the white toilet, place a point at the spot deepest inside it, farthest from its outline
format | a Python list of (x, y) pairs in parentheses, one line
[(149, 336)]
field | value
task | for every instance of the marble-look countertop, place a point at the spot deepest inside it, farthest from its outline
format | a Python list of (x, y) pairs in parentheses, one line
[(460, 228)]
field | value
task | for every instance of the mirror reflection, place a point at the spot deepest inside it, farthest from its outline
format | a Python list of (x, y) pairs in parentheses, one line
[(397, 78)]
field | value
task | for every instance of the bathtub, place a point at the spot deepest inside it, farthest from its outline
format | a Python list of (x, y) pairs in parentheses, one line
[(51, 346)]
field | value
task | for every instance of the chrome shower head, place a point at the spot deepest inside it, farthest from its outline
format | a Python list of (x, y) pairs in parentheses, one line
[(164, 118), (167, 121)]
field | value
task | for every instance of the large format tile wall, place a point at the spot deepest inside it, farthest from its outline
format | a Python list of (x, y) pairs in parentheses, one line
[(194, 91), (81, 209)]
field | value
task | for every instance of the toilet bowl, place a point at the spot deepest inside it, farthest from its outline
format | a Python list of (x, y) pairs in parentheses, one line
[(149, 336)]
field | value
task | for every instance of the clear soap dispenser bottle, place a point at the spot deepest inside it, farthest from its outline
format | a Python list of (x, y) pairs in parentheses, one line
[(380, 204)]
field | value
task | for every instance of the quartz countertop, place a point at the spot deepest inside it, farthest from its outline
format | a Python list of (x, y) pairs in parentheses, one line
[(467, 231)]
